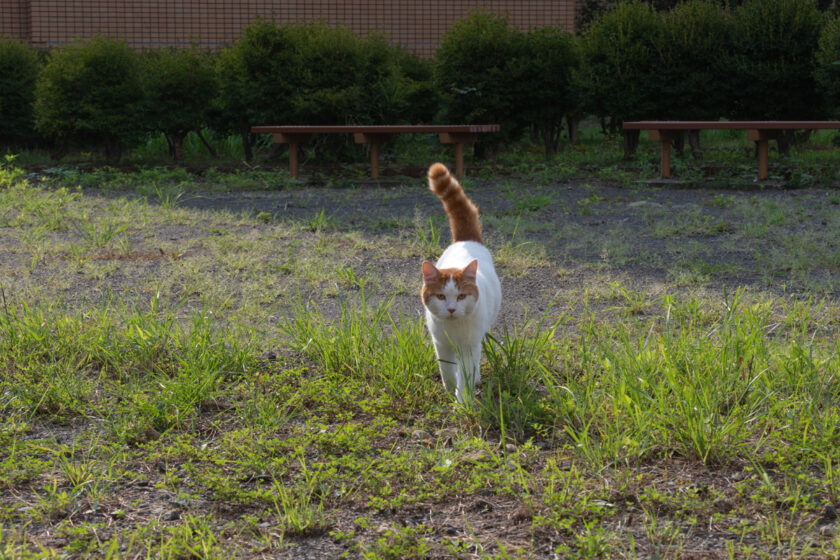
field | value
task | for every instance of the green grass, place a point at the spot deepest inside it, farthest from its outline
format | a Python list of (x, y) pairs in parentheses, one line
[(191, 383)]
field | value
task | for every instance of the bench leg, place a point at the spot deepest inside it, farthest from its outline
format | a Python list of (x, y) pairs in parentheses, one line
[(664, 137), (459, 160), (459, 139), (374, 139), (374, 161), (665, 159), (762, 139), (294, 141), (763, 151)]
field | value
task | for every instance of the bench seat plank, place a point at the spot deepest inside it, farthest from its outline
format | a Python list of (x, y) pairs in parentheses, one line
[(731, 125), (372, 129)]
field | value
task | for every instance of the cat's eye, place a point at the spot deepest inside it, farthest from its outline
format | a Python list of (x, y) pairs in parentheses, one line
[(441, 297), (461, 296)]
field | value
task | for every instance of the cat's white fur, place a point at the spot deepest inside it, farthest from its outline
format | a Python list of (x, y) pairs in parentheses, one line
[(457, 336)]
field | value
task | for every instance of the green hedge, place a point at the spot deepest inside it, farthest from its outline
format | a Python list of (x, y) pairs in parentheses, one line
[(18, 73), (316, 74), (619, 77), (827, 71), (693, 50), (764, 59), (771, 62), (490, 72), (698, 62), (547, 93), (479, 71), (89, 94), (179, 86)]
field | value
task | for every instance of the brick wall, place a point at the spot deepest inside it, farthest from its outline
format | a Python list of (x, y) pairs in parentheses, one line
[(417, 24), (14, 19)]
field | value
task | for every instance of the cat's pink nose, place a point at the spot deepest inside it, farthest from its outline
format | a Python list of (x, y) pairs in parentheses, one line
[(450, 309)]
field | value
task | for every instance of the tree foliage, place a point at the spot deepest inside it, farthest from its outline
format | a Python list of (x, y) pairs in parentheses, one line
[(827, 71), (619, 77), (481, 73), (547, 94), (178, 89), (89, 94), (772, 46), (18, 75), (692, 69), (317, 74)]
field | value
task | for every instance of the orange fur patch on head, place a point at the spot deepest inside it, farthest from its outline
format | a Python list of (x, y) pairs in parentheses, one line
[(437, 285)]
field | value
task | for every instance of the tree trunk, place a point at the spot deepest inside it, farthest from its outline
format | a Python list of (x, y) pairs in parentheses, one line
[(536, 132), (58, 151), (113, 149), (207, 145), (694, 140), (275, 151), (245, 132), (479, 150), (784, 140), (679, 143), (176, 140), (631, 142), (572, 123), (550, 133)]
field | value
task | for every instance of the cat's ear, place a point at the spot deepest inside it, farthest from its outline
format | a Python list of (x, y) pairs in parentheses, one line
[(470, 271), (430, 272)]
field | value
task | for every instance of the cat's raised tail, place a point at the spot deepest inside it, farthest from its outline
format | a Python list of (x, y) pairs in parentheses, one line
[(463, 214)]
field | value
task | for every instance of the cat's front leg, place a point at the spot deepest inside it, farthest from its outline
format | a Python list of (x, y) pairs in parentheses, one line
[(469, 362), (472, 366), (468, 372), (448, 363)]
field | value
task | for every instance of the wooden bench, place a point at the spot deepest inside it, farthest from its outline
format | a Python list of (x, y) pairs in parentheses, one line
[(376, 135), (759, 131)]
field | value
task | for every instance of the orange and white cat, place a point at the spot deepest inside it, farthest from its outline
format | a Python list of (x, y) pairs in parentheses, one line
[(461, 292)]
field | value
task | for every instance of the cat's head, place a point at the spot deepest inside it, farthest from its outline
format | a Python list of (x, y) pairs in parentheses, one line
[(450, 293)]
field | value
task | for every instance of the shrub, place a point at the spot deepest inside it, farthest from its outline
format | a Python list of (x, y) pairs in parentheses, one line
[(256, 80), (315, 74), (342, 75), (394, 85), (179, 86), (18, 74), (414, 98), (479, 72), (692, 51), (827, 71), (619, 77), (88, 94), (772, 45), (547, 94)]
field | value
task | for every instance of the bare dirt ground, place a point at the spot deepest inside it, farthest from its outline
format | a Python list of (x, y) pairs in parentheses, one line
[(653, 236)]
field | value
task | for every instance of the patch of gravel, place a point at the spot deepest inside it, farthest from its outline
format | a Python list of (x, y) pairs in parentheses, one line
[(644, 235)]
